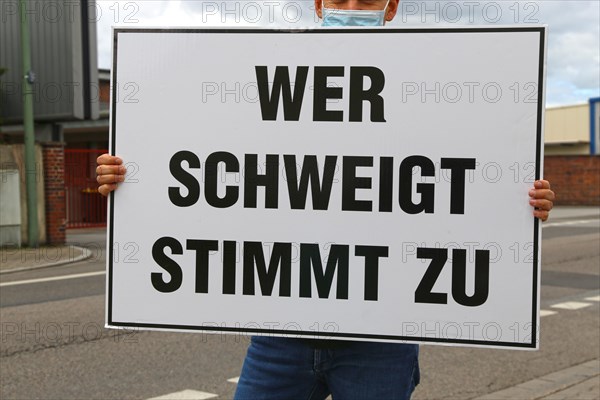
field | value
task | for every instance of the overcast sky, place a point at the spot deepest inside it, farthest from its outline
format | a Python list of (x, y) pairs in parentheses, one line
[(573, 74)]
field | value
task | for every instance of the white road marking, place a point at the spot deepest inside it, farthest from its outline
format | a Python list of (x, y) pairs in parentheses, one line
[(571, 305), (545, 313), (186, 395), (53, 278), (234, 380), (595, 298), (565, 223)]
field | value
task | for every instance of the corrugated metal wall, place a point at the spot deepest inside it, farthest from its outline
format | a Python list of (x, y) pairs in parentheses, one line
[(567, 124), (56, 58)]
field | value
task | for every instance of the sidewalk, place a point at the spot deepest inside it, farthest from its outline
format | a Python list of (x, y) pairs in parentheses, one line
[(14, 259), (580, 212), (580, 382)]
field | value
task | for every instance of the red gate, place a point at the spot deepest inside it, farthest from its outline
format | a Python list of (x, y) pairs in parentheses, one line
[(86, 207)]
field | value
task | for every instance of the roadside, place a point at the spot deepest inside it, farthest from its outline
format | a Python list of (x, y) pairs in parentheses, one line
[(579, 382), (14, 259), (81, 245), (572, 212)]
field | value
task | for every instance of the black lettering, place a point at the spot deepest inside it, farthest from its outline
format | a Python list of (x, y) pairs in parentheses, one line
[(350, 182), (323, 93), (184, 177), (310, 256), (292, 104), (459, 277), (458, 168), (229, 266), (281, 255), (203, 249), (298, 188), (438, 258), (232, 193), (358, 94), (270, 180), (425, 189), (166, 263), (372, 254), (386, 183)]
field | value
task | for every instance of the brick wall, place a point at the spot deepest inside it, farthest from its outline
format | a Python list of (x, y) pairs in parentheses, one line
[(104, 91), (574, 179), (54, 179)]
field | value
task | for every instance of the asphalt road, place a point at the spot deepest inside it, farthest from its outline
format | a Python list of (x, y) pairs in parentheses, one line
[(54, 346)]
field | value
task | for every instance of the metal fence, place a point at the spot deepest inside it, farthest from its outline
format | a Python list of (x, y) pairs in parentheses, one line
[(86, 207)]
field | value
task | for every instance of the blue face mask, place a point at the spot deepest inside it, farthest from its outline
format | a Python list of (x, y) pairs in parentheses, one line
[(336, 17)]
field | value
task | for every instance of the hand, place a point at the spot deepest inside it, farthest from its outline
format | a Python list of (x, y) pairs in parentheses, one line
[(110, 171), (541, 197)]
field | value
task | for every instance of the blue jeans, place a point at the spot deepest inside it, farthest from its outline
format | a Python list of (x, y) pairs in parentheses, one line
[(291, 369)]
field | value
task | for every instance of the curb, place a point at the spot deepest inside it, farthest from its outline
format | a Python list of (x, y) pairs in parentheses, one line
[(85, 254), (577, 217), (547, 385)]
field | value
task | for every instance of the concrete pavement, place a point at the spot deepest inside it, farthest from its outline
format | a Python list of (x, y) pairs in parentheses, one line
[(14, 259), (583, 212), (81, 245), (579, 382)]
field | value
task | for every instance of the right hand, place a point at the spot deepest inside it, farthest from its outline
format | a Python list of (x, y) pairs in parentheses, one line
[(110, 172)]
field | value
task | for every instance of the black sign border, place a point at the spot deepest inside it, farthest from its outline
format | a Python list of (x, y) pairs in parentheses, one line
[(541, 30)]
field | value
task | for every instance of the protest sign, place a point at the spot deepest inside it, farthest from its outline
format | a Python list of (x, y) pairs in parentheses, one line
[(357, 184)]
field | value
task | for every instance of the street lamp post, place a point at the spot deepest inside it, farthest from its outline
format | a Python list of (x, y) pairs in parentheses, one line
[(30, 169)]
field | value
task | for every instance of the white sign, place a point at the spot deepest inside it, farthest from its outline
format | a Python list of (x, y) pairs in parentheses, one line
[(357, 184)]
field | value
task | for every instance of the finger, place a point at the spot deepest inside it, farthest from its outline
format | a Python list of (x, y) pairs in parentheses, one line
[(110, 169), (541, 214), (542, 194), (104, 179), (542, 204), (105, 190), (541, 184), (107, 159)]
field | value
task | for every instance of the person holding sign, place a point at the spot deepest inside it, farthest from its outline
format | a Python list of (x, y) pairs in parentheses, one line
[(286, 368)]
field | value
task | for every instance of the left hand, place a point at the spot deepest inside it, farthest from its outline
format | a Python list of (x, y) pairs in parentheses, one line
[(541, 197)]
